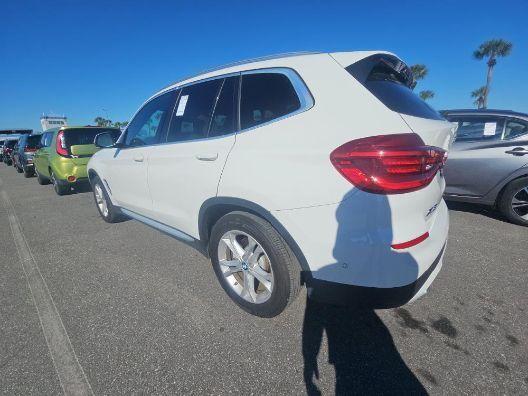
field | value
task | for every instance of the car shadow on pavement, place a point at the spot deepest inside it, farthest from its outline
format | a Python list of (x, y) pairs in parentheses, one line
[(360, 347)]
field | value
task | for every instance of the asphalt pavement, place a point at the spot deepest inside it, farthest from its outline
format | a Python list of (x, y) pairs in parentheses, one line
[(144, 313)]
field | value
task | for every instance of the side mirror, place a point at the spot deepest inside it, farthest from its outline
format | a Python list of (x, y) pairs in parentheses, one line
[(104, 140)]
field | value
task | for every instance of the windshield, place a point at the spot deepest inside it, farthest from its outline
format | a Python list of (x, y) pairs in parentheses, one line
[(81, 136), (10, 143)]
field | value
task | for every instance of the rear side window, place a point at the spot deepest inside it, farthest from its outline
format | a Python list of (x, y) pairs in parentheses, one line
[(148, 124), (224, 119), (265, 97), (192, 113), (478, 128), (515, 128), (390, 80)]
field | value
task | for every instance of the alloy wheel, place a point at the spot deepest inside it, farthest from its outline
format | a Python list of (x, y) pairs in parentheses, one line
[(245, 266), (519, 203), (100, 200)]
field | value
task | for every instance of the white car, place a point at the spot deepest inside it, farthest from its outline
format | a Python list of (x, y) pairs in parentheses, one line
[(320, 169)]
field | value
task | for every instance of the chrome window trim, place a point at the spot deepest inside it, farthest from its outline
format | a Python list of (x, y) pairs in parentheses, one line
[(301, 89)]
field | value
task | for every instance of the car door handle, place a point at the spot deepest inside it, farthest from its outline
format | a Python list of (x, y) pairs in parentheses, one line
[(517, 151), (138, 158), (207, 157)]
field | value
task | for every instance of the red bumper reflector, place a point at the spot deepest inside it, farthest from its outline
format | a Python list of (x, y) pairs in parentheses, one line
[(412, 242)]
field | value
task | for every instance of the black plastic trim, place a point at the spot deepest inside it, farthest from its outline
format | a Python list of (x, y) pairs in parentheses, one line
[(367, 297)]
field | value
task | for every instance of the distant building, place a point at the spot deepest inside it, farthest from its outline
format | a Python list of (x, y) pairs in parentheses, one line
[(52, 121)]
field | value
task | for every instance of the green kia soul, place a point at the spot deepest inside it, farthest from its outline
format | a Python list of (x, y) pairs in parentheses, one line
[(63, 154)]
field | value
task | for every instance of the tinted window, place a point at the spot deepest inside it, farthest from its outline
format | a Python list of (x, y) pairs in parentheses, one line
[(224, 116), (479, 128), (11, 143), (82, 136), (147, 126), (515, 128), (192, 113), (390, 80), (264, 97), (33, 141)]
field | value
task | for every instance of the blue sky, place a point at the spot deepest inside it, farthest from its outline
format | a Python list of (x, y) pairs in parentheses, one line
[(80, 57)]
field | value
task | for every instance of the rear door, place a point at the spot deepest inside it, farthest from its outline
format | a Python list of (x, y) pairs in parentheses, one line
[(126, 169), (487, 149), (42, 155), (185, 171)]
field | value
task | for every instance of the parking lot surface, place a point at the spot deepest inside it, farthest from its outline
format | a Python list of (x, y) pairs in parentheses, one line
[(144, 313)]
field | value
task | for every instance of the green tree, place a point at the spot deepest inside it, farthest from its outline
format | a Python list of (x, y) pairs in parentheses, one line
[(492, 49), (119, 124), (419, 72), (478, 95), (426, 94), (101, 121)]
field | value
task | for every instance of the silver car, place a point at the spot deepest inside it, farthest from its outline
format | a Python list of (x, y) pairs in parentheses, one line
[(488, 163)]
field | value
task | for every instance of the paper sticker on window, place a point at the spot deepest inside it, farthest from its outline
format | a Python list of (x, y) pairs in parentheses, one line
[(182, 105), (489, 128)]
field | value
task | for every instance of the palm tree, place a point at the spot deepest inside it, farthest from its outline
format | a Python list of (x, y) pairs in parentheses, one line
[(492, 50), (478, 94), (419, 72), (427, 94)]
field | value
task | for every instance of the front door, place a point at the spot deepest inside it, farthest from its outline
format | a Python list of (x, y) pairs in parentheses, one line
[(126, 167)]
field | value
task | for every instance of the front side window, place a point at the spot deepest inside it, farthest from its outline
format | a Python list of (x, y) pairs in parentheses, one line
[(479, 128), (192, 113), (147, 126), (264, 97), (515, 128)]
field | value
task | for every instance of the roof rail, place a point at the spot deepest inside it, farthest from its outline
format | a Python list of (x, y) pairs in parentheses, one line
[(243, 62)]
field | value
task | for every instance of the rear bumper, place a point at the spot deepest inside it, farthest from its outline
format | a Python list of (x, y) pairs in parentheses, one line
[(81, 181), (373, 297)]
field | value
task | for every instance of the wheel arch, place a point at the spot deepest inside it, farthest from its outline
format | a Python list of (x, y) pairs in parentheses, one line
[(213, 209), (517, 175)]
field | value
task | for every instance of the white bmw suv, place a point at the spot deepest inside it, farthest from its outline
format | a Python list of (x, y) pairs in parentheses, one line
[(320, 169)]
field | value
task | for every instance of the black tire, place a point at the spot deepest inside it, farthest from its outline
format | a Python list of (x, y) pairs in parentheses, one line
[(114, 214), (60, 189), (19, 169), (505, 201), (41, 179), (284, 264), (28, 172)]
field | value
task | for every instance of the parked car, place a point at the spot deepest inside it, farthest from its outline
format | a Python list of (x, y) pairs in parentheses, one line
[(1, 148), (9, 144), (23, 154), (489, 161), (320, 169), (63, 154)]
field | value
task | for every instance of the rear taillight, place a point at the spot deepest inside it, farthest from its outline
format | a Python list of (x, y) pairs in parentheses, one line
[(61, 144), (29, 150), (388, 164)]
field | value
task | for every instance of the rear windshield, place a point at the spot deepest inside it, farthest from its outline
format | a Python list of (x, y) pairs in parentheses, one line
[(33, 141), (390, 80), (10, 143), (75, 137)]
